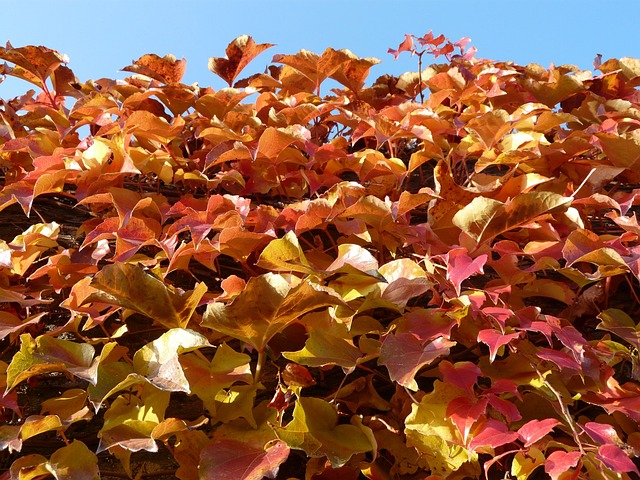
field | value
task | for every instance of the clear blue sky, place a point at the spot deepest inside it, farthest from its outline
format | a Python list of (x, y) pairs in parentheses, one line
[(100, 38)]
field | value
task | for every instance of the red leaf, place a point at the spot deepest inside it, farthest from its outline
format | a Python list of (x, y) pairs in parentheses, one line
[(559, 462), (464, 412), (602, 433), (492, 433), (461, 266), (224, 459), (495, 340), (534, 430), (462, 374), (405, 46), (616, 459), (403, 355)]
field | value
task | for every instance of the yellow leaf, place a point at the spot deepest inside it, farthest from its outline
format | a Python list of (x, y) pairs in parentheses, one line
[(279, 305), (129, 286), (484, 219), (315, 430), (429, 429), (74, 462)]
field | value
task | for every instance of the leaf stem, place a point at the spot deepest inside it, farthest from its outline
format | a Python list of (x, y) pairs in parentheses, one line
[(261, 359)]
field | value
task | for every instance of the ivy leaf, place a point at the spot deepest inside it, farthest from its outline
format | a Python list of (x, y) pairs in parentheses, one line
[(129, 286), (491, 433), (495, 340), (33, 63), (129, 421), (47, 354), (484, 219), (534, 430), (74, 462), (158, 360), (461, 266), (29, 467), (165, 69), (621, 324), (284, 255), (70, 407), (10, 323), (280, 305), (616, 459), (314, 67), (206, 379), (429, 430), (224, 459), (559, 462), (38, 424), (404, 354), (322, 348), (239, 53), (315, 430)]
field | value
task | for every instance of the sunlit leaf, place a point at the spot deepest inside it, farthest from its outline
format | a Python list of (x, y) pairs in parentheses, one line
[(559, 462), (315, 430), (280, 304), (74, 462), (223, 459), (165, 69), (322, 348), (206, 379), (129, 286), (38, 424), (239, 53), (158, 360), (434, 435), (404, 354), (483, 219), (47, 354)]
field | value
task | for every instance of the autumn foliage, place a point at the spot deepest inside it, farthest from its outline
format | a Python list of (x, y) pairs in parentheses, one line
[(309, 275)]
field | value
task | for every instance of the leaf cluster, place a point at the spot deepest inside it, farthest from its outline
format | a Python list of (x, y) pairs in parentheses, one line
[(434, 274)]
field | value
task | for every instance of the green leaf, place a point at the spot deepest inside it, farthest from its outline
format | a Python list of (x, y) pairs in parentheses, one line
[(315, 430)]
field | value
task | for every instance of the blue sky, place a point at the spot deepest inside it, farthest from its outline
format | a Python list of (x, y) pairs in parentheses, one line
[(100, 38)]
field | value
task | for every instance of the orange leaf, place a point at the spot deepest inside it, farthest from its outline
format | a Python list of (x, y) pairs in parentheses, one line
[(165, 69), (239, 53)]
